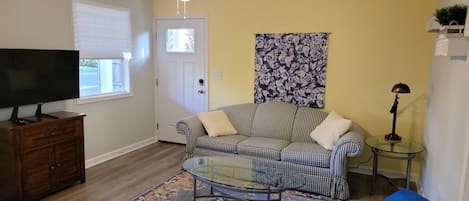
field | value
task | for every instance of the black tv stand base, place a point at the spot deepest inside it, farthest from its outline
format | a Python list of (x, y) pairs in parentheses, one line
[(21, 121), (14, 114), (39, 113), (14, 117)]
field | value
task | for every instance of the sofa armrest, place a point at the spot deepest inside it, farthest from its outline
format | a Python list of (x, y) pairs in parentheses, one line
[(349, 145), (192, 128)]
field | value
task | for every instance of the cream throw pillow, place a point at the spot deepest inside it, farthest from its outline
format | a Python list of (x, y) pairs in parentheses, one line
[(330, 130), (216, 123)]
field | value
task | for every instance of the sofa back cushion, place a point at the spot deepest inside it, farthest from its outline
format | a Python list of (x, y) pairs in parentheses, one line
[(241, 116), (306, 121), (274, 120)]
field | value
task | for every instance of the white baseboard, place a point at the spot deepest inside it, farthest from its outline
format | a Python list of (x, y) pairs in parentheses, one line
[(393, 174), (119, 152)]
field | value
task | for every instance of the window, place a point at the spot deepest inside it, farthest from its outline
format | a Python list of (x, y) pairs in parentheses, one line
[(102, 76), (103, 37), (180, 40)]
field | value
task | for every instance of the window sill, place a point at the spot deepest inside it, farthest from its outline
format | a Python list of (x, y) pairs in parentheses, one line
[(103, 97)]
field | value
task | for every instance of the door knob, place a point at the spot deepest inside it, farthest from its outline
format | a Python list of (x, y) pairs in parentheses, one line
[(200, 91)]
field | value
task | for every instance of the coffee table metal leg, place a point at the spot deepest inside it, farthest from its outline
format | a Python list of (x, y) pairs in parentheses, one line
[(224, 196), (375, 169), (195, 189), (409, 169), (268, 195)]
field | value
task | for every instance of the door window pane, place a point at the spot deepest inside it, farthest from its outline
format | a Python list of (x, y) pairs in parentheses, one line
[(180, 40)]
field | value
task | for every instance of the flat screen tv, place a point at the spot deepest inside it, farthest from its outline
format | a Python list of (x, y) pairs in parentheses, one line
[(33, 76)]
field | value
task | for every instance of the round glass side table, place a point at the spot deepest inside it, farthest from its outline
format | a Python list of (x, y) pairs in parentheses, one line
[(402, 150)]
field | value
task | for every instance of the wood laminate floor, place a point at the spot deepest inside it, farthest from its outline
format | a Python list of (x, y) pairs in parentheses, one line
[(123, 178)]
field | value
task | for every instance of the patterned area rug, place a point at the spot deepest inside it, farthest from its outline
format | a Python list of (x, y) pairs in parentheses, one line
[(179, 188)]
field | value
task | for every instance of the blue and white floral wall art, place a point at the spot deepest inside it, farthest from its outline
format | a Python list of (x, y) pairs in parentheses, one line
[(291, 68)]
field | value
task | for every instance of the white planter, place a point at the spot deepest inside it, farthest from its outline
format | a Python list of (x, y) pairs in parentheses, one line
[(451, 45)]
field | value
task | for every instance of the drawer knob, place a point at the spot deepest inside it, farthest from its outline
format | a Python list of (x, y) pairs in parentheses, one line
[(58, 165), (52, 134), (52, 167)]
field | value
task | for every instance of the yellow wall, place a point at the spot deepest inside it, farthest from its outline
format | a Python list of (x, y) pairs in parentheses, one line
[(373, 45)]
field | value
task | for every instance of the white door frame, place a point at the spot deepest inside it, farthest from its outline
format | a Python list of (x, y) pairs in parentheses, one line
[(155, 62)]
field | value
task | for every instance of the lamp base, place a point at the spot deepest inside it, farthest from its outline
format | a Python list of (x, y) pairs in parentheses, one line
[(393, 137)]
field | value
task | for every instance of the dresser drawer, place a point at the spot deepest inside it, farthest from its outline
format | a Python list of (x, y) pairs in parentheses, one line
[(47, 133), (64, 130), (34, 136)]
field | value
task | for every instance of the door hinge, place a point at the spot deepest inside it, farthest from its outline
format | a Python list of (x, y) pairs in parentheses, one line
[(156, 82), (157, 126)]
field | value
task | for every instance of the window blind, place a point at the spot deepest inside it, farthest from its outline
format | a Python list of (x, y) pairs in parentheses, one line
[(101, 32)]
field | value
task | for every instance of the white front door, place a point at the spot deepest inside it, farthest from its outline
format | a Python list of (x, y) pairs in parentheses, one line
[(181, 73)]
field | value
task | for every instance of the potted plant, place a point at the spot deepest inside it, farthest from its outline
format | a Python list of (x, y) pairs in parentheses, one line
[(452, 18), (451, 41)]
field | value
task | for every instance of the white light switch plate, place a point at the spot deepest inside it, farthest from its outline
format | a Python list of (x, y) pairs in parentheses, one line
[(217, 75)]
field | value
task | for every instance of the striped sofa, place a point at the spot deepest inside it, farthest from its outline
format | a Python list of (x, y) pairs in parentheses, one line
[(279, 134)]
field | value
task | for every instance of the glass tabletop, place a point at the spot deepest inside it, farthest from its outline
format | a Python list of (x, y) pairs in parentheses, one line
[(402, 147), (242, 173)]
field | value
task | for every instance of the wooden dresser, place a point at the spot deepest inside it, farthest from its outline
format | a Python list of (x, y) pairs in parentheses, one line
[(39, 158)]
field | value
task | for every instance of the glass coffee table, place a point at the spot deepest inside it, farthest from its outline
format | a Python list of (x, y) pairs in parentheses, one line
[(241, 178)]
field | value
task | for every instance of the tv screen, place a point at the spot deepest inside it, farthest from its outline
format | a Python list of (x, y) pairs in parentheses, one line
[(31, 76)]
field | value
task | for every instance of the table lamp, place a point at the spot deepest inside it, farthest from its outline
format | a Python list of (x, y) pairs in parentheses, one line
[(399, 88)]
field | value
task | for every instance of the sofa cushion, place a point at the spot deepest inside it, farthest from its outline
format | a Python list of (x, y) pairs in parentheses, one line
[(330, 130), (222, 143), (241, 116), (306, 120), (274, 120), (216, 123), (303, 153), (262, 147)]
